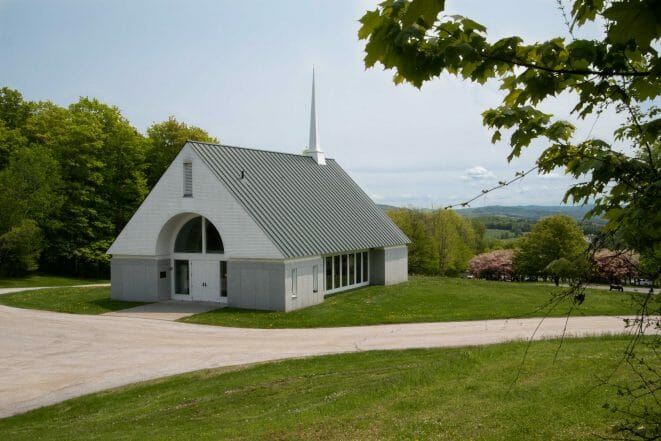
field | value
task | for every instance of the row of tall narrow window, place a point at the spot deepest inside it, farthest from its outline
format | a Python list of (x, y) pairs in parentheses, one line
[(344, 270)]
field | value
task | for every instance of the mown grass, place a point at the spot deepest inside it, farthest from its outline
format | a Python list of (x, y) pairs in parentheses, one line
[(439, 394), (40, 280), (426, 299), (91, 300)]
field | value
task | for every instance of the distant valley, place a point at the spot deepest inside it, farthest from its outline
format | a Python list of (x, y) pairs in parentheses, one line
[(528, 212), (508, 223), (531, 212)]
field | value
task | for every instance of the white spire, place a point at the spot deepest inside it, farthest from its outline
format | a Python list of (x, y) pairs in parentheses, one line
[(314, 149)]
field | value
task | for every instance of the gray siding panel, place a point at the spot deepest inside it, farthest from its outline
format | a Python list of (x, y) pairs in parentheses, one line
[(268, 285), (396, 265), (134, 279), (256, 285), (305, 294)]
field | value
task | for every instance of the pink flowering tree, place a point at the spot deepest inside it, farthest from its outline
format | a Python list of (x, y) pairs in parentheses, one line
[(616, 266), (493, 265)]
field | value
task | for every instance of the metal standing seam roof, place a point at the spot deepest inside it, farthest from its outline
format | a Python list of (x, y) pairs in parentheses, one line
[(307, 209)]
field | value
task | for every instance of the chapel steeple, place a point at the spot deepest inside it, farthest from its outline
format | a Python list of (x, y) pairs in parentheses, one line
[(314, 147)]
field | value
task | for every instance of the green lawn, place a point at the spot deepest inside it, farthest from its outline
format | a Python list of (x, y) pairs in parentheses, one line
[(440, 394), (72, 300), (424, 299), (45, 280)]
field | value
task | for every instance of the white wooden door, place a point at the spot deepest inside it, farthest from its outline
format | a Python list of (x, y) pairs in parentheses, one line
[(205, 281)]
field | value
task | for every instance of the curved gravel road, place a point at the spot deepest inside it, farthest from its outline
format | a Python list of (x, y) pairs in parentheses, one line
[(48, 357)]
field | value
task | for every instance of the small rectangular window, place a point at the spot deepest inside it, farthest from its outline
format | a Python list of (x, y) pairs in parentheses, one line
[(294, 282), (345, 273), (336, 272), (163, 275), (329, 273), (359, 268), (315, 279), (188, 179), (352, 269), (365, 267), (223, 278), (181, 277)]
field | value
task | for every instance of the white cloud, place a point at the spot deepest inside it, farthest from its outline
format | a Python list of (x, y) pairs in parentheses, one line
[(478, 173)]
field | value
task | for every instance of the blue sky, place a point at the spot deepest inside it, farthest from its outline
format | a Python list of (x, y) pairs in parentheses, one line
[(242, 71)]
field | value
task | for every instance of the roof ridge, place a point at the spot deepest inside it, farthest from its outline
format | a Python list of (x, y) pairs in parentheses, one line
[(249, 148)]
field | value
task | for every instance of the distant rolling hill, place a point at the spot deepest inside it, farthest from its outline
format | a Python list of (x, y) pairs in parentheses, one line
[(529, 212), (532, 212), (385, 207)]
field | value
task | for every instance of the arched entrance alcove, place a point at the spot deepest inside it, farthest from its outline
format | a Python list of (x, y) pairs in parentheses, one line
[(197, 256)]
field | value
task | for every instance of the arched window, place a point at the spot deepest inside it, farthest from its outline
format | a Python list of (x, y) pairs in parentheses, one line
[(198, 232), (213, 241), (189, 239)]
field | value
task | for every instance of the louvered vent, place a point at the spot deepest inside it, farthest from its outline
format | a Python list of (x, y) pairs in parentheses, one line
[(188, 179)]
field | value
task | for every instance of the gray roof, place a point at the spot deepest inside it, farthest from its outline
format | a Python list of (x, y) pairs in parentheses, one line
[(307, 209)]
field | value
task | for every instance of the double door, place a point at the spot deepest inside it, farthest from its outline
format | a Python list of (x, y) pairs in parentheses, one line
[(207, 280)]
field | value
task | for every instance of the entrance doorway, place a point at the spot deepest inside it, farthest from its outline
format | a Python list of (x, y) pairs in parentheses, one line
[(206, 281), (199, 263), (201, 280)]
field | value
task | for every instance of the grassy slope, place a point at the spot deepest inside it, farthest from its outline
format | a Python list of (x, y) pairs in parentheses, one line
[(423, 299), (71, 300), (44, 280), (444, 394)]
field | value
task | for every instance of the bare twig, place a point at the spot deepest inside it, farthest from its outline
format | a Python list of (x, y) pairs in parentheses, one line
[(501, 184)]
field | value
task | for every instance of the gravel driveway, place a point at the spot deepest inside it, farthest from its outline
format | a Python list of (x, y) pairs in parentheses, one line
[(48, 357)]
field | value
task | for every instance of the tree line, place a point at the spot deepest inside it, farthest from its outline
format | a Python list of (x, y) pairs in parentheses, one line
[(555, 248), (445, 243), (71, 178), (442, 242)]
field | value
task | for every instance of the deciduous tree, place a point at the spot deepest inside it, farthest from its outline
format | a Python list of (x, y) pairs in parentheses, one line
[(616, 265), (552, 238), (14, 111), (101, 161), (442, 241), (165, 141), (493, 265), (31, 193)]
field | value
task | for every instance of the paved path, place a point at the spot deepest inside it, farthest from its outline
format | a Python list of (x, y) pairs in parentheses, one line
[(32, 288), (48, 357), (170, 310)]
